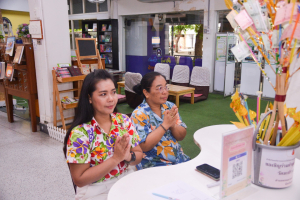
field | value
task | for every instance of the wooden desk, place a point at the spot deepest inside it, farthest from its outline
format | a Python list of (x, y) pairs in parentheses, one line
[(176, 90), (120, 84), (138, 185)]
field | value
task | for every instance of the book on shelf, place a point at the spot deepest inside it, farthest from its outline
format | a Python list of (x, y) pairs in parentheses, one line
[(109, 27), (103, 27), (74, 71), (63, 72), (2, 70), (69, 100), (85, 68), (101, 48), (10, 46), (102, 38), (94, 26), (63, 64), (18, 54), (9, 72), (107, 38), (107, 49), (94, 67), (86, 27)]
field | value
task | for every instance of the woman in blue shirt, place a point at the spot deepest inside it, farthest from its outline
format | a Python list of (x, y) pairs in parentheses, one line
[(158, 124)]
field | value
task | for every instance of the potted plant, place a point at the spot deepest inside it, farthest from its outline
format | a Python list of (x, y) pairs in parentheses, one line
[(23, 32)]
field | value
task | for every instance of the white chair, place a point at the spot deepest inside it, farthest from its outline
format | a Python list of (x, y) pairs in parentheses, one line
[(181, 75), (200, 81), (164, 69), (132, 79)]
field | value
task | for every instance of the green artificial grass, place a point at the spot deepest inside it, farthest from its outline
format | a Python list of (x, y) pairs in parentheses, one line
[(213, 111)]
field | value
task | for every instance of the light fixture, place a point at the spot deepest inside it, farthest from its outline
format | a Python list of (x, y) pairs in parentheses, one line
[(96, 1)]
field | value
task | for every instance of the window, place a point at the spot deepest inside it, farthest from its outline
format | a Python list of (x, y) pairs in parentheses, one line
[(102, 7), (223, 24), (77, 12), (90, 7), (77, 6)]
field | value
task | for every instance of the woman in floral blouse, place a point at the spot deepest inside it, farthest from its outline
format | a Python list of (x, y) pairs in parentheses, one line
[(158, 124), (100, 143)]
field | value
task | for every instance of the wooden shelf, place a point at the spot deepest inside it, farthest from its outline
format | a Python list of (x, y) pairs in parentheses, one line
[(57, 99), (69, 106), (71, 79), (20, 67), (70, 90)]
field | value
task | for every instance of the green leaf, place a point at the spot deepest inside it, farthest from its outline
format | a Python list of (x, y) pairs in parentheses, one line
[(74, 136)]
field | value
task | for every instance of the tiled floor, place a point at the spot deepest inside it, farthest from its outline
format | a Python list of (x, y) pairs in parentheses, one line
[(32, 165)]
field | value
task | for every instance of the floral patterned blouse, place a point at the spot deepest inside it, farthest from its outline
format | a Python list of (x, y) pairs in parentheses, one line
[(168, 151), (88, 143)]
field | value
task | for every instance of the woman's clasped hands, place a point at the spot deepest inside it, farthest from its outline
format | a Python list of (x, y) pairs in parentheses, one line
[(122, 148), (170, 117)]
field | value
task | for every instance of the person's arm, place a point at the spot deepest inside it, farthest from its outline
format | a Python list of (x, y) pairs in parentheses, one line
[(138, 155), (178, 132), (151, 139), (83, 174)]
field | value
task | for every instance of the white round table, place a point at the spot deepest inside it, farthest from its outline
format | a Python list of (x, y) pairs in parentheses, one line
[(139, 184)]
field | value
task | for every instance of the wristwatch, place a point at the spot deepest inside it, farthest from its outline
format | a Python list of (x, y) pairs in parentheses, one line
[(132, 157)]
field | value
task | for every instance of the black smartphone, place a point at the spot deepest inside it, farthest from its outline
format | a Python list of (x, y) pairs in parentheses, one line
[(209, 171)]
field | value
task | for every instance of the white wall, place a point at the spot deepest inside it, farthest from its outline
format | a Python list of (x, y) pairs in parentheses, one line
[(55, 48), (16, 5)]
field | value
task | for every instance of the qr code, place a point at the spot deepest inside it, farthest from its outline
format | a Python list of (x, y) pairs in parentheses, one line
[(237, 169)]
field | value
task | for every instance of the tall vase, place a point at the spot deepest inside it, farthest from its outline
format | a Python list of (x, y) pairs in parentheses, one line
[(26, 40)]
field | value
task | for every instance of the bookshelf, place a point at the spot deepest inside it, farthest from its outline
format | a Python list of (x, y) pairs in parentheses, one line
[(107, 40), (24, 83), (57, 99)]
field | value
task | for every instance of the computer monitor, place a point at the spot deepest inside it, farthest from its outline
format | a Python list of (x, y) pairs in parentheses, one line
[(156, 40)]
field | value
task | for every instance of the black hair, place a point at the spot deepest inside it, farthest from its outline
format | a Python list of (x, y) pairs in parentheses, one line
[(85, 111), (146, 83)]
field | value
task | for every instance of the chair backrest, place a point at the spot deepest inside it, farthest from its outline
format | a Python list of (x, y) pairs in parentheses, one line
[(132, 79), (171, 61), (198, 62), (164, 69), (181, 74), (184, 60), (200, 76)]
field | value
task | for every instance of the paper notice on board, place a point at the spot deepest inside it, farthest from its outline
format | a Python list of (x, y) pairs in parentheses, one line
[(276, 168), (243, 19), (241, 51)]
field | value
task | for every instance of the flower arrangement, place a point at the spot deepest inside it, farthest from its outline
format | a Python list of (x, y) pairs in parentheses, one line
[(23, 30)]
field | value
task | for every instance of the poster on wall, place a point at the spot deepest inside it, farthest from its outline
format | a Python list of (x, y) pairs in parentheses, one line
[(221, 48)]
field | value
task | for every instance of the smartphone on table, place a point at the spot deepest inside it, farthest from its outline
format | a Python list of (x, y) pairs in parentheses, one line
[(209, 171)]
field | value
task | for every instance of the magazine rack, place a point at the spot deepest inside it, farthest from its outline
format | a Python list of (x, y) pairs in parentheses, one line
[(57, 99)]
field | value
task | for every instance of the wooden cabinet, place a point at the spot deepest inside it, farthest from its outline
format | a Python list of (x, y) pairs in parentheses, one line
[(23, 84)]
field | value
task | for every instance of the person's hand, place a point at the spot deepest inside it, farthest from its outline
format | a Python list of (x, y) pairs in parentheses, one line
[(122, 148), (170, 117)]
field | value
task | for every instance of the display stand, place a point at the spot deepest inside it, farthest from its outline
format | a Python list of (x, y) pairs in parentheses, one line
[(23, 84), (86, 48), (57, 99), (224, 64)]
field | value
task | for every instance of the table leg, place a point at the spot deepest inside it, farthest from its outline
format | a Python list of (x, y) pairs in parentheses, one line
[(119, 89), (177, 100), (9, 107), (192, 98), (32, 113)]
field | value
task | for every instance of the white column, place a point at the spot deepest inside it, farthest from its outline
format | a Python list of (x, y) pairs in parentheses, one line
[(54, 48), (209, 41)]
